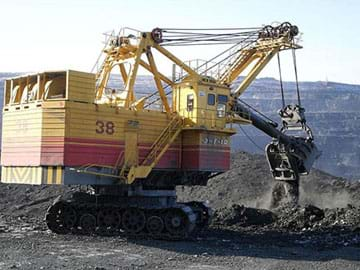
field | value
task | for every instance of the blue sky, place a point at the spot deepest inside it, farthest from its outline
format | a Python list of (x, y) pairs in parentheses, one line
[(41, 35)]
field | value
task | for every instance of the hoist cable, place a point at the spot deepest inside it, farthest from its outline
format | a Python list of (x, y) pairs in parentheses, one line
[(296, 77), (281, 81)]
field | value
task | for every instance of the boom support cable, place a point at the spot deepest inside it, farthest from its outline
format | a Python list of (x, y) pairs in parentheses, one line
[(243, 43), (212, 36), (238, 38)]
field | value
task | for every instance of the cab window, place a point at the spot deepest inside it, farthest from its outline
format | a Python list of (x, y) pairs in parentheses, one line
[(222, 99), (221, 110), (221, 107), (190, 102), (211, 99)]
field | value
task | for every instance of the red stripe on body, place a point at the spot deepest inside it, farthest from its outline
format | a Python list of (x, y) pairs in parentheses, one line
[(94, 141), (206, 157), (77, 155)]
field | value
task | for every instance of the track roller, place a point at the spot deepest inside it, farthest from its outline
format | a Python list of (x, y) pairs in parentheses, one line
[(134, 220), (61, 217)]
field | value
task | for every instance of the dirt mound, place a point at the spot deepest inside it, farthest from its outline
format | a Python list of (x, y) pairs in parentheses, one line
[(250, 183), (26, 201)]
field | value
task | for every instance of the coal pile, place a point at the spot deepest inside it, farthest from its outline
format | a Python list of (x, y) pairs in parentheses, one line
[(304, 226), (300, 218), (27, 203), (311, 217), (349, 216), (242, 216)]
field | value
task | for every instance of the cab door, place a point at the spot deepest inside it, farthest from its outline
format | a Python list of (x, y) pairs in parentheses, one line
[(211, 109), (221, 110)]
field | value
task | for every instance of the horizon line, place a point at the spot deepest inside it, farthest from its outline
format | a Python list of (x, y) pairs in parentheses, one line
[(19, 73)]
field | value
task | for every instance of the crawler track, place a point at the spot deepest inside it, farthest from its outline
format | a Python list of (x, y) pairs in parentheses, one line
[(91, 214)]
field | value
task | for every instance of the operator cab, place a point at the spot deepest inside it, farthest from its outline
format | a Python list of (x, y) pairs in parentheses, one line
[(202, 102)]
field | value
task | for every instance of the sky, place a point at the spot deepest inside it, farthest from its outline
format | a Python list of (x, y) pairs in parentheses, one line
[(38, 35)]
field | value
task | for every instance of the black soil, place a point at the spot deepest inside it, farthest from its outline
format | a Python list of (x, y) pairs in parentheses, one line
[(323, 231)]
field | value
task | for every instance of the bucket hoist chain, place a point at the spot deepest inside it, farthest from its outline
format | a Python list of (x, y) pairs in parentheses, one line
[(292, 115)]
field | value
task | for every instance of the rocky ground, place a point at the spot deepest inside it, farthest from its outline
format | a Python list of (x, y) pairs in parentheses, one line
[(323, 232)]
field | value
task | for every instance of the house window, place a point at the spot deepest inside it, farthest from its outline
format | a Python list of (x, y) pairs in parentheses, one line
[(211, 99)]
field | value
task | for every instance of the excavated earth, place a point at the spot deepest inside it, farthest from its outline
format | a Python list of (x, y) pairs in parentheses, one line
[(323, 232)]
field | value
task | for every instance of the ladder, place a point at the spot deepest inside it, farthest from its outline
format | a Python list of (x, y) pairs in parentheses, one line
[(157, 150), (102, 67), (107, 43)]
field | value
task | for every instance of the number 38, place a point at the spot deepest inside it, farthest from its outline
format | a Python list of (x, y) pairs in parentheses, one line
[(107, 127)]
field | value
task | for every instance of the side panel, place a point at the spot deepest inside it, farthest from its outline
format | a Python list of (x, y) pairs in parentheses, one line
[(53, 133), (33, 134), (206, 151), (64, 133), (95, 134), (21, 136), (81, 86)]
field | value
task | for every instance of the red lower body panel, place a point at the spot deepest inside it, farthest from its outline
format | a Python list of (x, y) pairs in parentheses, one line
[(206, 158), (77, 152)]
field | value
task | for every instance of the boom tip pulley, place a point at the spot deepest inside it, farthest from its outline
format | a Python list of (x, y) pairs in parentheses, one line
[(282, 30)]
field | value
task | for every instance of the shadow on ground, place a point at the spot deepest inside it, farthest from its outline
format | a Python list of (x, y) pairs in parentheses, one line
[(308, 246)]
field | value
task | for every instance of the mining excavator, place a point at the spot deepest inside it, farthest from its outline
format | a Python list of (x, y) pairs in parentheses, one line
[(126, 151)]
